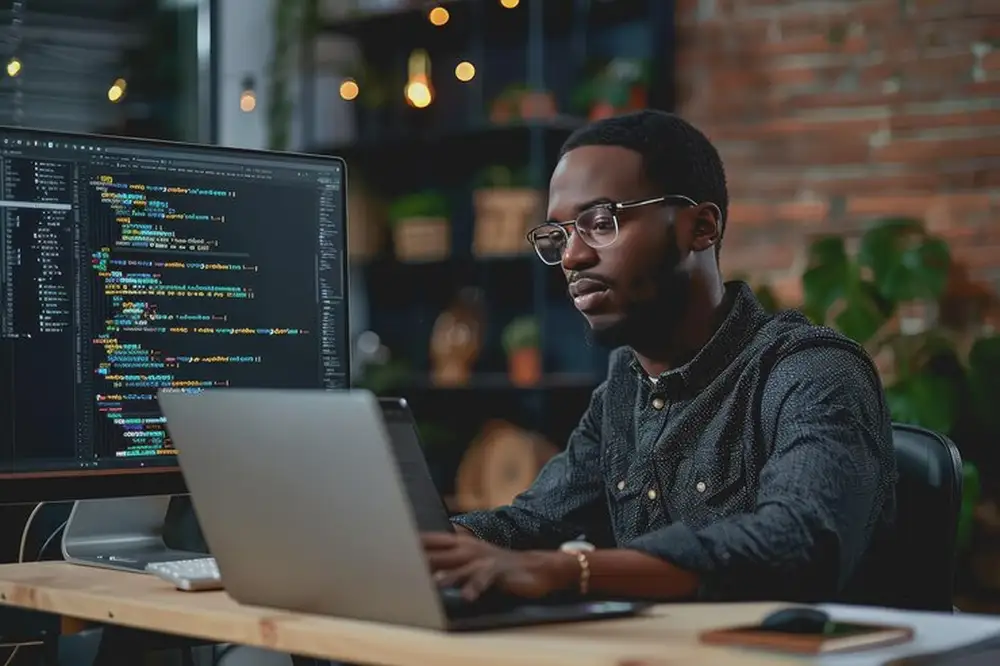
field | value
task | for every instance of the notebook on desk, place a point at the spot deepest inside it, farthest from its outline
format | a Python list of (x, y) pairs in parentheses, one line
[(301, 500)]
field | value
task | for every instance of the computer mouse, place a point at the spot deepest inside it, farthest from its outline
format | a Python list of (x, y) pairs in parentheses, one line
[(799, 620)]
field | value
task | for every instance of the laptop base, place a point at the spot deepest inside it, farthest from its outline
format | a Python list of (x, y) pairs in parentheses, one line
[(124, 534), (535, 614)]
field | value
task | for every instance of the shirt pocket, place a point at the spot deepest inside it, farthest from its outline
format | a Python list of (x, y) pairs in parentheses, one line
[(709, 485)]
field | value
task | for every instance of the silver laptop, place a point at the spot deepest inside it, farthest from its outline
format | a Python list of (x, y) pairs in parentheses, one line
[(303, 506)]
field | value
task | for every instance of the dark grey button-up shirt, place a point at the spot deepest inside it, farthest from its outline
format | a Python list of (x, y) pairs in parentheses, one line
[(764, 465)]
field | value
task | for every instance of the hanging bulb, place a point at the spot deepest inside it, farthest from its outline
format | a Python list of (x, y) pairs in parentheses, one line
[(248, 98), (418, 92), (349, 89), (117, 90), (465, 71), (509, 4), (13, 67), (438, 16)]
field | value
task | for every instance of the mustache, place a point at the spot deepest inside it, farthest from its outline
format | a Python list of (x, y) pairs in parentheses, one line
[(576, 276)]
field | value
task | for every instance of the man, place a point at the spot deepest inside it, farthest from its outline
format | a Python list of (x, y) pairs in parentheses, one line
[(730, 454)]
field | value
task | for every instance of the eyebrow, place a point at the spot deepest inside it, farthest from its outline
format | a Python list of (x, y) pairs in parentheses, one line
[(582, 207)]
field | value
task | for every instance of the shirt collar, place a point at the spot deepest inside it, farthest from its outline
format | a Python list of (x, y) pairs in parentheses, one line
[(741, 324)]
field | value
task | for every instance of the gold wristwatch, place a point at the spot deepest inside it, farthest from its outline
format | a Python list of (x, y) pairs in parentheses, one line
[(579, 550)]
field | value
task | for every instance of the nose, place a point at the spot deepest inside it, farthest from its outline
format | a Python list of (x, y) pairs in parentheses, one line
[(578, 256)]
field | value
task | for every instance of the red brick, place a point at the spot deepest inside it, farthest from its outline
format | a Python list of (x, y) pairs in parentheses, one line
[(791, 133), (905, 122), (913, 151)]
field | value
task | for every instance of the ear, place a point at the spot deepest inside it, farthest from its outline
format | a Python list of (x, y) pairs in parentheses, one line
[(707, 227)]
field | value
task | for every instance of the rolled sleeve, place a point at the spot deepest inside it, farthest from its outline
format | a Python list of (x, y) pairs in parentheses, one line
[(821, 490), (565, 501)]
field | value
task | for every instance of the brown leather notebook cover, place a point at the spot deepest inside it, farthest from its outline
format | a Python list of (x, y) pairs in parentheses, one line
[(841, 637)]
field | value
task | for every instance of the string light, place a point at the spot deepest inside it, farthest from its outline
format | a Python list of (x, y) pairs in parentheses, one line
[(248, 98), (438, 16), (465, 71), (509, 4), (13, 67), (418, 90), (117, 90), (349, 90)]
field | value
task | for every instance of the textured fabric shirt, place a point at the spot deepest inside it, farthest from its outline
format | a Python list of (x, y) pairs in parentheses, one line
[(764, 464)]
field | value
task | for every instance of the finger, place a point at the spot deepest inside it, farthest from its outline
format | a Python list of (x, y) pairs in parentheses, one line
[(438, 540), (456, 577), (481, 579), (449, 559)]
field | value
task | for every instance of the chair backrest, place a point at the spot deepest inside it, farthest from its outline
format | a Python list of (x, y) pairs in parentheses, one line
[(928, 502)]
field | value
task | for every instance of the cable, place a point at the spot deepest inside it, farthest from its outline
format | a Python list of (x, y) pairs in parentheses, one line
[(48, 542), (27, 528), (20, 559)]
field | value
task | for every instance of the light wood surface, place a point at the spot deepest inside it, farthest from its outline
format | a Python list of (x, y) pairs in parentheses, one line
[(667, 637)]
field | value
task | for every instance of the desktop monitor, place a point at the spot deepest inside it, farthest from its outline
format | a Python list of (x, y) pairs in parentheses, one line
[(129, 266)]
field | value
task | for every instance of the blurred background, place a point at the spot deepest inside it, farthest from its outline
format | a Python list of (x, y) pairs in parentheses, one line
[(861, 139)]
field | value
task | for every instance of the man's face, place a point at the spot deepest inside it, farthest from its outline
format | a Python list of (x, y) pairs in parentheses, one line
[(638, 286)]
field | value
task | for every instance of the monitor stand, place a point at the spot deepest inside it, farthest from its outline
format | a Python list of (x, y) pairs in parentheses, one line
[(124, 534)]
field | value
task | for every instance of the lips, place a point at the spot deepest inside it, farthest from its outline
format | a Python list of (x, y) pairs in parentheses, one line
[(588, 294)]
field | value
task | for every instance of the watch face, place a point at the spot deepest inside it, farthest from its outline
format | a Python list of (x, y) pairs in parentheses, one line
[(577, 547)]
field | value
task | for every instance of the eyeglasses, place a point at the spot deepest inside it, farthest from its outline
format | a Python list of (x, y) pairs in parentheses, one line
[(597, 226)]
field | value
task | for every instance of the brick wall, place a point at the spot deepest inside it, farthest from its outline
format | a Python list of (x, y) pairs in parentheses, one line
[(830, 113)]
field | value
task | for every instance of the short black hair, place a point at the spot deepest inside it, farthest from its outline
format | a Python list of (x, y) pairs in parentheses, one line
[(677, 157)]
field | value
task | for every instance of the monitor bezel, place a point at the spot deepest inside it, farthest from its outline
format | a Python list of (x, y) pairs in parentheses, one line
[(70, 485)]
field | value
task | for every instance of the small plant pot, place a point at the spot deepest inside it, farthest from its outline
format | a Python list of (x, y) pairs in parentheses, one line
[(422, 239), (524, 366)]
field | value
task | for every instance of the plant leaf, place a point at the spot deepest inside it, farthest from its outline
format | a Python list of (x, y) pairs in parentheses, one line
[(827, 278), (984, 382), (921, 272), (925, 400), (907, 263), (861, 317)]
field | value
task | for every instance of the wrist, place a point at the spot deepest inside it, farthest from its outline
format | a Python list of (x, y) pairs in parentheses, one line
[(564, 571)]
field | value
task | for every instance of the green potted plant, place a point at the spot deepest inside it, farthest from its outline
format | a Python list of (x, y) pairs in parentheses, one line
[(616, 86), (522, 344), (887, 296), (421, 228)]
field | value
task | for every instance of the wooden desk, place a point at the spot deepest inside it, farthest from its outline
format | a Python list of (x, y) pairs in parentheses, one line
[(666, 638)]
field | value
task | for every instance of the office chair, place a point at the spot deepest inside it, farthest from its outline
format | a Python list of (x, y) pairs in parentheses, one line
[(923, 547)]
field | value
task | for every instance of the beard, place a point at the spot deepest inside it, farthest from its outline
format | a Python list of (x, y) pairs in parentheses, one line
[(649, 321)]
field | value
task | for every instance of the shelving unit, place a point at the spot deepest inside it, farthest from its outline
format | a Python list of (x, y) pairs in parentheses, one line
[(540, 45)]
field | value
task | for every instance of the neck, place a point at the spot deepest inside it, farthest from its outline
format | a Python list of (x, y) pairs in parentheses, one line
[(702, 317)]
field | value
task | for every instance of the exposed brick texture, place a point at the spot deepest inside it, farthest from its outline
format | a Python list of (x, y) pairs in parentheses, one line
[(831, 113)]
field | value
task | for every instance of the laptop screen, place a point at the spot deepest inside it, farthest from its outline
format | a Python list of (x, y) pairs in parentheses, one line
[(428, 507)]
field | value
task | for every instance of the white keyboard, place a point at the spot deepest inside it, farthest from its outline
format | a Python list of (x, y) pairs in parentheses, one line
[(189, 575)]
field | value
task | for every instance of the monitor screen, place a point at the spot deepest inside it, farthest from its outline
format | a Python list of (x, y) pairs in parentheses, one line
[(131, 266)]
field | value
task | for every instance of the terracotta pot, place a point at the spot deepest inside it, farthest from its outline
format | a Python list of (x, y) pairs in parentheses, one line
[(524, 366)]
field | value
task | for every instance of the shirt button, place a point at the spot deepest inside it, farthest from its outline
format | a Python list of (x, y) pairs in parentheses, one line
[(700, 486), (651, 494), (658, 403), (621, 485)]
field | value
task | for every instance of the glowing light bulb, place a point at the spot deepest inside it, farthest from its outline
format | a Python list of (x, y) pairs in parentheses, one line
[(418, 94), (509, 4), (13, 67), (115, 93), (418, 91), (349, 89), (438, 16), (248, 101), (465, 71)]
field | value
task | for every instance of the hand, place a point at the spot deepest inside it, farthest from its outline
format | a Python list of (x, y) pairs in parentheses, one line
[(462, 560)]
